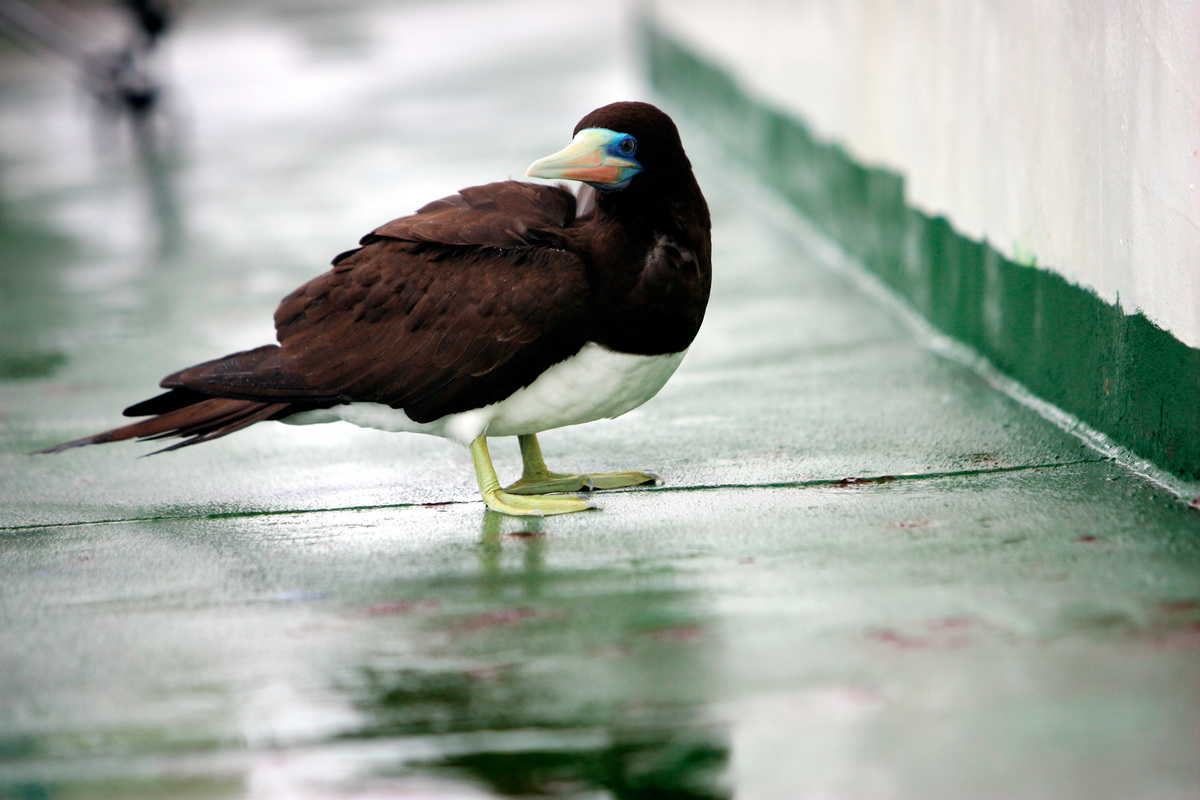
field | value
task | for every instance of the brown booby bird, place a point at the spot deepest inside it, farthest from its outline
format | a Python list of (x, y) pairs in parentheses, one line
[(504, 310)]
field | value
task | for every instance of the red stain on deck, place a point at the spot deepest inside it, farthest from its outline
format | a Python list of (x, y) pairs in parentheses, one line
[(945, 634), (492, 619), (1186, 637), (950, 624), (1188, 604), (399, 607), (681, 633), (890, 637), (526, 534)]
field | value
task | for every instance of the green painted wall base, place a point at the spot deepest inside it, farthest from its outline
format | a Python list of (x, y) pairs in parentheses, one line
[(1120, 374)]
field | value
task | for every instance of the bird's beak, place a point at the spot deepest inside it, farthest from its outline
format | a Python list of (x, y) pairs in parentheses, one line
[(588, 158)]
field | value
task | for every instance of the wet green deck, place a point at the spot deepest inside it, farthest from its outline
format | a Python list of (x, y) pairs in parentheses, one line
[(869, 574)]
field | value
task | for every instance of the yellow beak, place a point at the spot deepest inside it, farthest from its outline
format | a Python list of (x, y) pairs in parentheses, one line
[(590, 157)]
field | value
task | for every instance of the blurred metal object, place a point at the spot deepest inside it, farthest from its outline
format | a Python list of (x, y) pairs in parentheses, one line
[(124, 81)]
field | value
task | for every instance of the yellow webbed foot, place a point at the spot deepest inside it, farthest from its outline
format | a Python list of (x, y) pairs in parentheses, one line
[(563, 482), (536, 506), (536, 478), (517, 505)]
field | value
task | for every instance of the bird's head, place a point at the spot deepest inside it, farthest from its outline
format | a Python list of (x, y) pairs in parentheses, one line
[(617, 146)]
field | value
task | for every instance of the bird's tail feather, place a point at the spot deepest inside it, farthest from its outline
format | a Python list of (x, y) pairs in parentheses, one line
[(204, 419)]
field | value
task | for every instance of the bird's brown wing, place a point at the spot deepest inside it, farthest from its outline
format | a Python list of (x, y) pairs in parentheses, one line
[(503, 214), (453, 308)]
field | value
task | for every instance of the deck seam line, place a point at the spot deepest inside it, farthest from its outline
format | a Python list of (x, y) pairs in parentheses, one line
[(847, 482)]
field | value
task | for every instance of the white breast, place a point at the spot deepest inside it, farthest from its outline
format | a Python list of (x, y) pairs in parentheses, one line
[(595, 383)]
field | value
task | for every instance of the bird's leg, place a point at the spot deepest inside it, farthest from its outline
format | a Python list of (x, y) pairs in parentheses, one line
[(536, 478), (499, 500)]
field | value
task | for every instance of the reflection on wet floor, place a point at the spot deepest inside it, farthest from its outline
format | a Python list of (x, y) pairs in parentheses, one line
[(541, 692), (484, 667)]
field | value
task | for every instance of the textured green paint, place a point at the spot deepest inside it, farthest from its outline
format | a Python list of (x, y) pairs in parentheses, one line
[(1118, 373)]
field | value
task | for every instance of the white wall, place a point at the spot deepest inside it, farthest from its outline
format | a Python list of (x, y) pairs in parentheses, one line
[(1066, 131)]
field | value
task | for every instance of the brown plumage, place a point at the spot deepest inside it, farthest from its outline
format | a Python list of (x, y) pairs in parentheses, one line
[(453, 308), (470, 299)]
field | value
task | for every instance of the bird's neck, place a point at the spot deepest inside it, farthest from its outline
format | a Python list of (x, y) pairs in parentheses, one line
[(649, 275)]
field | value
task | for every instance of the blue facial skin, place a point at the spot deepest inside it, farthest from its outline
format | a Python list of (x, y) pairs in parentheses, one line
[(621, 147)]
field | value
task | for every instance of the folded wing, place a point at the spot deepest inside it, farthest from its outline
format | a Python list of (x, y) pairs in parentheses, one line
[(452, 308)]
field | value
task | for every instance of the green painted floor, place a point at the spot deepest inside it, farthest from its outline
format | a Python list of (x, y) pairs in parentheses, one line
[(868, 574)]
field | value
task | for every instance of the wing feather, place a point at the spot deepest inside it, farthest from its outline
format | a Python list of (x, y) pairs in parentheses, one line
[(446, 310), (493, 215)]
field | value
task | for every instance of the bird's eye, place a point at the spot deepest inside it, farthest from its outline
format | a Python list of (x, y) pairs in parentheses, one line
[(627, 146)]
